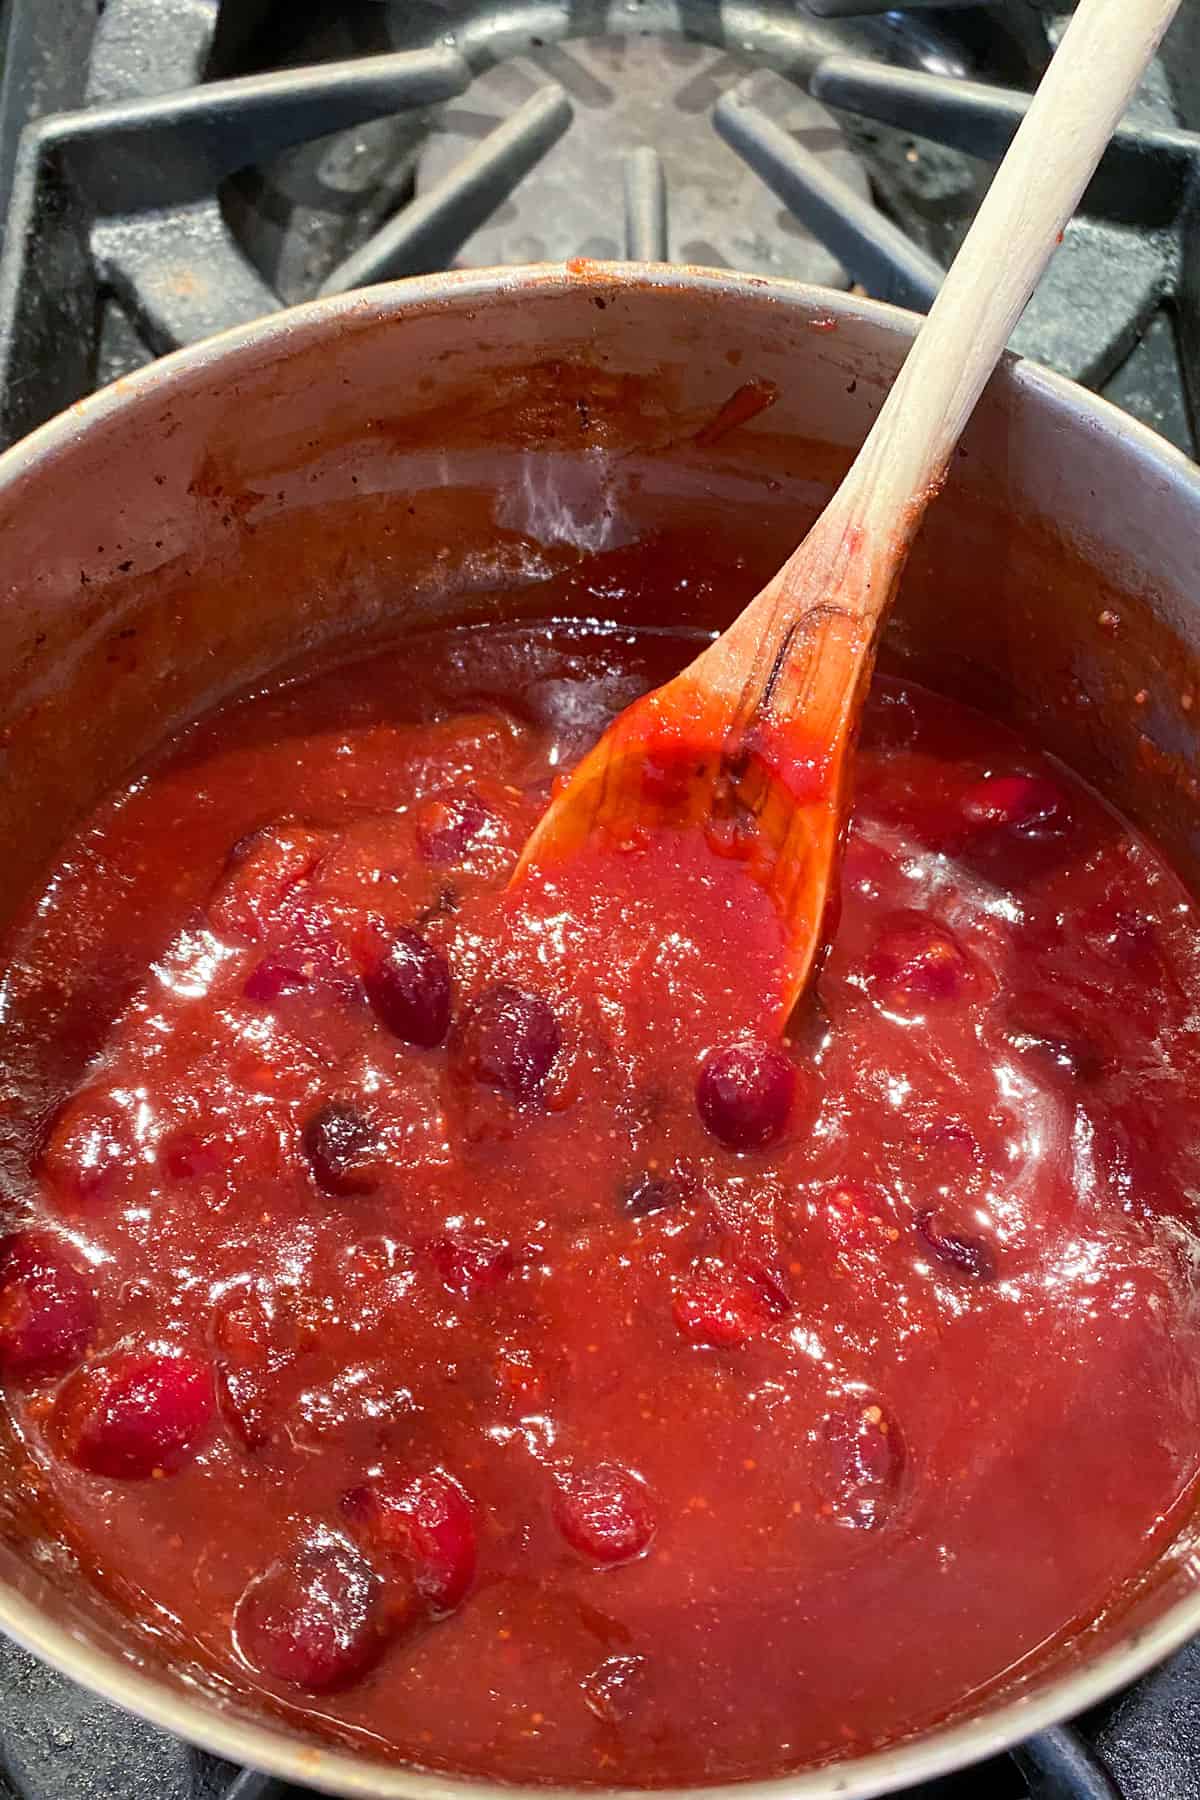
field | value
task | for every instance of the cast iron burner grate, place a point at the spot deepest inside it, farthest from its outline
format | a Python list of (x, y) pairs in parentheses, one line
[(161, 192), (178, 166)]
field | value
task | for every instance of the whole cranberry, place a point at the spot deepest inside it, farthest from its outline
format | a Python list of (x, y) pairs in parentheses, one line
[(510, 1039), (409, 988), (966, 1252), (744, 1093), (341, 1149), (718, 1305), (422, 1528), (47, 1307), (866, 1465), (313, 1619), (605, 1513), (134, 1413), (915, 961)]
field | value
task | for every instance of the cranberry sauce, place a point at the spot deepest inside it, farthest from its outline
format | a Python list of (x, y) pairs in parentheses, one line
[(462, 1324)]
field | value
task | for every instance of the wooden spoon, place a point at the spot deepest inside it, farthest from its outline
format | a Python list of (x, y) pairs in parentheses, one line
[(752, 744)]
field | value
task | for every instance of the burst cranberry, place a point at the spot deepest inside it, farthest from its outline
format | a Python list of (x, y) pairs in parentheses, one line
[(744, 1093), (409, 988), (471, 1266), (313, 1619), (865, 1468), (510, 1039), (655, 1191), (261, 872), (271, 978), (90, 1148), (1013, 828), (718, 1305), (47, 1307), (312, 939), (342, 1150), (255, 1340), (858, 1215), (1030, 804), (187, 1157), (134, 1413), (966, 1252), (423, 1528), (449, 824), (605, 1513), (767, 1275), (945, 1159), (916, 961)]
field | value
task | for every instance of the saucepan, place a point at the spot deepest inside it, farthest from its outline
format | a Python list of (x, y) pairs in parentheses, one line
[(414, 453)]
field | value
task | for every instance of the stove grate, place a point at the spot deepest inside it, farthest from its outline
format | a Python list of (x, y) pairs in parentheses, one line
[(122, 202), (877, 254), (430, 231), (143, 175)]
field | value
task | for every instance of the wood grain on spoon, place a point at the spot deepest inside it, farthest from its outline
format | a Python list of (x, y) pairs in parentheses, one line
[(752, 743)]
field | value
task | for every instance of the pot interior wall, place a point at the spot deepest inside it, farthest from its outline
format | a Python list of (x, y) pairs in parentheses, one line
[(389, 463), (412, 456)]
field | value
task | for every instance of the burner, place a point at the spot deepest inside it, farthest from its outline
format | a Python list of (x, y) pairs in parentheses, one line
[(638, 75), (654, 94)]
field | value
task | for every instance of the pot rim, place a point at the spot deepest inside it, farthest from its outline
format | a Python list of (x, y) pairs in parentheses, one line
[(200, 1717)]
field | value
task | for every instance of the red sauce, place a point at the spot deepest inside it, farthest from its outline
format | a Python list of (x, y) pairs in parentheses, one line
[(455, 1320)]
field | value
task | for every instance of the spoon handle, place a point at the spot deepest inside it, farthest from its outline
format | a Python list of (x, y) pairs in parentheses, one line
[(1082, 96)]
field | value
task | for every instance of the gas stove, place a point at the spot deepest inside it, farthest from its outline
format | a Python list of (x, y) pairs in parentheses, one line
[(173, 167)]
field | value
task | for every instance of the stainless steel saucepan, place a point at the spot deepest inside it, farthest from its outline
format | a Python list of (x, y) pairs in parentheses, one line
[(435, 448)]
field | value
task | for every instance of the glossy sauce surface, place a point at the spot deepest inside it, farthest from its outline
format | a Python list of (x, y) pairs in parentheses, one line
[(460, 1323)]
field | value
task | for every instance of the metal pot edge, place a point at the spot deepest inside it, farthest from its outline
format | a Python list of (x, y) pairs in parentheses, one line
[(202, 1720)]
